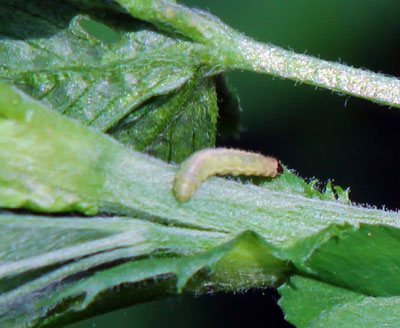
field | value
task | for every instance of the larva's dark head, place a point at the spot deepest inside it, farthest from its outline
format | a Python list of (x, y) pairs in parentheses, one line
[(280, 168)]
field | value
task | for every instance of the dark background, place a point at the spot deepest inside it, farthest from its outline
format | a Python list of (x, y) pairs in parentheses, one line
[(316, 132)]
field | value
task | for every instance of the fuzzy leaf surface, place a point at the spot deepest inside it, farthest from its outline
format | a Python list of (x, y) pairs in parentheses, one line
[(363, 258), (68, 268), (50, 163), (140, 81), (311, 303), (42, 169)]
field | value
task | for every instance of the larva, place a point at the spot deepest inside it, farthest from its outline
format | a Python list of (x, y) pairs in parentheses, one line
[(220, 161)]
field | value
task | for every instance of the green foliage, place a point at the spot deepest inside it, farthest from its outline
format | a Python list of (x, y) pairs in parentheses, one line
[(186, 118), (347, 256), (311, 303), (54, 57), (154, 87), (79, 265), (164, 247), (288, 181), (351, 278)]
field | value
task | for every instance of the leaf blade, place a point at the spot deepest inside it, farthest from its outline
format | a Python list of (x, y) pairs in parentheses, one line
[(131, 262), (310, 303), (56, 59)]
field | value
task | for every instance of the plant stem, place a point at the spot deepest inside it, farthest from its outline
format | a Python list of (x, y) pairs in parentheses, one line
[(102, 174), (225, 49), (270, 59)]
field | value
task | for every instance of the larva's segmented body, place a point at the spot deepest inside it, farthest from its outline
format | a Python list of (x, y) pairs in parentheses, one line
[(220, 161)]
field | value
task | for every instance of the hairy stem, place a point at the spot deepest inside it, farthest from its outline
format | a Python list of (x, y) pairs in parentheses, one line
[(107, 176), (270, 59), (227, 49)]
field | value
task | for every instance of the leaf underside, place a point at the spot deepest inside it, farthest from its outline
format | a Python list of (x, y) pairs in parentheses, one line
[(90, 266), (146, 87)]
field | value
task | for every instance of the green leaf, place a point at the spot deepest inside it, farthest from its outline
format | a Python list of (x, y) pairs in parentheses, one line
[(42, 169), (290, 182), (111, 80), (173, 126), (362, 258), (313, 304), (72, 267), (68, 268), (51, 163)]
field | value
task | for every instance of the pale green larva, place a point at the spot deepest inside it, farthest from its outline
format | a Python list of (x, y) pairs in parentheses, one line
[(220, 161)]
